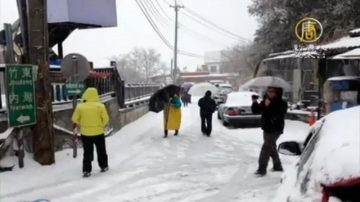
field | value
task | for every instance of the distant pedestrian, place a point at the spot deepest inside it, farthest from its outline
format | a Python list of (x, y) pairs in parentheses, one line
[(273, 109), (172, 115), (207, 108), (184, 99), (92, 117)]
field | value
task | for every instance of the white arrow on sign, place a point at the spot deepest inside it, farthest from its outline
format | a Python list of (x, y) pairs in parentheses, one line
[(23, 119)]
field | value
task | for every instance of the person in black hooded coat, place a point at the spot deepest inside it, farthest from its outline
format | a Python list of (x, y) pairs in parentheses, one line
[(207, 108), (273, 109)]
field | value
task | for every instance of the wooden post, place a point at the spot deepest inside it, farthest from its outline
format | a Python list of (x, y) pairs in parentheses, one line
[(43, 135)]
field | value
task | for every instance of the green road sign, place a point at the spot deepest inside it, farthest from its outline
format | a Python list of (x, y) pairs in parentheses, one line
[(20, 95), (74, 88)]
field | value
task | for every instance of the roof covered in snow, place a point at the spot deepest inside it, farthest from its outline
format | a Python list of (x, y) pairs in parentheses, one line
[(353, 54), (345, 42), (355, 32), (294, 54), (340, 78), (340, 45)]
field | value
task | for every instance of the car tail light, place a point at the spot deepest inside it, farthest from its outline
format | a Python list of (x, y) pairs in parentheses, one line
[(232, 112)]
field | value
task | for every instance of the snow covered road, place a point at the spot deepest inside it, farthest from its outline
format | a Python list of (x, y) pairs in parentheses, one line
[(146, 167)]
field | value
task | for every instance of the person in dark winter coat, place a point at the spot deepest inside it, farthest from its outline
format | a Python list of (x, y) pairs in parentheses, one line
[(273, 109), (207, 108)]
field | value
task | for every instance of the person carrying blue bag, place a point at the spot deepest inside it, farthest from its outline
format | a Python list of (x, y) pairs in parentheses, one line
[(172, 115)]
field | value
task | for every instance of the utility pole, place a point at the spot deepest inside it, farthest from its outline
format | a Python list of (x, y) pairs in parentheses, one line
[(176, 8), (38, 44)]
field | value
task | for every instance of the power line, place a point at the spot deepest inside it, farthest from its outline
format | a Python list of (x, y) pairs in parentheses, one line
[(155, 12), (215, 25), (207, 26), (185, 28), (153, 25), (158, 32), (163, 10), (203, 21)]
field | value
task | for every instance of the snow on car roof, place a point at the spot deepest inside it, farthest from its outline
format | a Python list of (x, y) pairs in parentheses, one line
[(340, 78), (225, 85), (337, 155), (239, 99)]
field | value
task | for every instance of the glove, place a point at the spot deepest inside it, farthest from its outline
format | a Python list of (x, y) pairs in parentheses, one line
[(76, 132)]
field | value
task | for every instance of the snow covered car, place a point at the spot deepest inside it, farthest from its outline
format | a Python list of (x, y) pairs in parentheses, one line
[(221, 95), (236, 111), (329, 166)]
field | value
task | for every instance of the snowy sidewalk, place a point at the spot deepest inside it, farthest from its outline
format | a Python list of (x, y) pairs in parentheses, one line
[(146, 167)]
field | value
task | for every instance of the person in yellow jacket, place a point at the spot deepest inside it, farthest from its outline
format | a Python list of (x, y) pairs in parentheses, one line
[(91, 117), (172, 115)]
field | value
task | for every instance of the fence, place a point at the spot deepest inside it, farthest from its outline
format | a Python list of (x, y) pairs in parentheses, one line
[(138, 91), (108, 81)]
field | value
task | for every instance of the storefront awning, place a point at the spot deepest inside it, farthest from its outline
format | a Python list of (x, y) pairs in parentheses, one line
[(349, 55)]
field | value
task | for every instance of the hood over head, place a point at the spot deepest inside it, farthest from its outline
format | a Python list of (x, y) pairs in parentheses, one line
[(91, 95)]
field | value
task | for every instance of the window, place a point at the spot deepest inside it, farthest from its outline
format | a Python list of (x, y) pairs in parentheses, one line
[(213, 68), (309, 145)]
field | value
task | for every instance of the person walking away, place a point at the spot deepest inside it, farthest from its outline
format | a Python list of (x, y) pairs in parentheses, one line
[(91, 117), (172, 115), (207, 108), (273, 109)]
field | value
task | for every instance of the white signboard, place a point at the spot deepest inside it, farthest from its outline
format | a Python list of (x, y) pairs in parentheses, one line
[(91, 12), (349, 95)]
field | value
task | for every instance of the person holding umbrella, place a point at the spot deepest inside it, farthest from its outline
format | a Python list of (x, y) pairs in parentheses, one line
[(167, 100), (273, 109), (172, 115)]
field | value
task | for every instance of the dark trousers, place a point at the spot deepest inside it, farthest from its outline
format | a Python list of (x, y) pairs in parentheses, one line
[(269, 150), (206, 124), (88, 145)]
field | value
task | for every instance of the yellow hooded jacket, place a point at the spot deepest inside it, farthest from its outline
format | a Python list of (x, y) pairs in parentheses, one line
[(91, 115)]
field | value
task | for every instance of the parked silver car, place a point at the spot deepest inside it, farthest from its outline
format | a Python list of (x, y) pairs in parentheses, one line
[(236, 111)]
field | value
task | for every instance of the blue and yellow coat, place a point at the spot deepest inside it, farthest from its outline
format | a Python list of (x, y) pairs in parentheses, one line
[(172, 114)]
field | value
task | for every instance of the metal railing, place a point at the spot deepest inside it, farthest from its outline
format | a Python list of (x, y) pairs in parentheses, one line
[(138, 91), (111, 83)]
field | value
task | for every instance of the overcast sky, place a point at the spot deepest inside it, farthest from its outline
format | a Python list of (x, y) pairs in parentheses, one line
[(133, 30)]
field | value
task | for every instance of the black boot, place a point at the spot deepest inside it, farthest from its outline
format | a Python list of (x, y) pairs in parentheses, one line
[(260, 172), (176, 132), (165, 133), (277, 168), (103, 170), (86, 174)]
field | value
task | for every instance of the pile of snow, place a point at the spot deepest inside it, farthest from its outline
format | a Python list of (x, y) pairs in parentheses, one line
[(201, 88)]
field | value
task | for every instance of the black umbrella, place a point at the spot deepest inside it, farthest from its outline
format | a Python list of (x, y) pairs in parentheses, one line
[(160, 97)]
